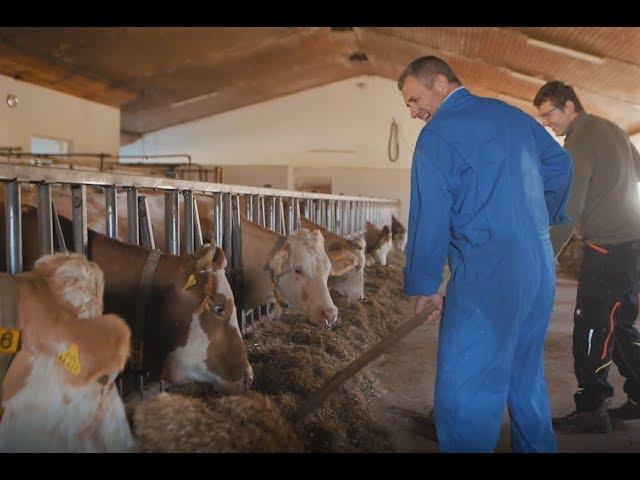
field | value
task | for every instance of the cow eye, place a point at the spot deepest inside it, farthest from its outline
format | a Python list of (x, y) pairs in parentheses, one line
[(218, 309), (299, 271)]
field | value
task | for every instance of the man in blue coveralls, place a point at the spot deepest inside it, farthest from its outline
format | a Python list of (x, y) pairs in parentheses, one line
[(486, 182)]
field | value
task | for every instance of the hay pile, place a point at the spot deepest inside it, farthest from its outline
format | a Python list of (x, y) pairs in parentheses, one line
[(291, 358), (173, 423)]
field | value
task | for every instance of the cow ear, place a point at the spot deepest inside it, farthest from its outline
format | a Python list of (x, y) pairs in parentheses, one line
[(341, 261), (279, 260), (219, 260), (319, 238), (204, 257), (98, 346), (386, 233)]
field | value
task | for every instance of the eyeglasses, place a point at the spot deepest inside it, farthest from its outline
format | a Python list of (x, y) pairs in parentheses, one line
[(546, 114)]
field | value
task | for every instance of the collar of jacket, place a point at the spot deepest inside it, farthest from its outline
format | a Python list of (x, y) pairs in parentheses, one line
[(453, 99), (580, 118)]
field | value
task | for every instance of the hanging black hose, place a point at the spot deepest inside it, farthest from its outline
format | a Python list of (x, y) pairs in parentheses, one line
[(393, 142)]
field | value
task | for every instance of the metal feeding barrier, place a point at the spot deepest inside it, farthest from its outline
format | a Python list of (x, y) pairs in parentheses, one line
[(274, 209)]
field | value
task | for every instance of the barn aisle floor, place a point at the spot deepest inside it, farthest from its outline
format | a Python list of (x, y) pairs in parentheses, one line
[(408, 373)]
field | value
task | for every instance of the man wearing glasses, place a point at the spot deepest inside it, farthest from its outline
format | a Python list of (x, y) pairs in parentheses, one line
[(606, 205)]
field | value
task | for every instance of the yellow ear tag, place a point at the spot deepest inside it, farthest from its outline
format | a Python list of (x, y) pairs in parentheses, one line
[(9, 338), (191, 281), (70, 360)]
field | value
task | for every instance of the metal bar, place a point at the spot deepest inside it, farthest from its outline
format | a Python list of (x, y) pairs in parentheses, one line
[(296, 214), (111, 203), (13, 226), (132, 215), (249, 207), (218, 218), (289, 216), (196, 224), (79, 206), (228, 225), (45, 227), (171, 223), (147, 238), (61, 245), (331, 215), (263, 217), (279, 215), (189, 236), (271, 212), (10, 172)]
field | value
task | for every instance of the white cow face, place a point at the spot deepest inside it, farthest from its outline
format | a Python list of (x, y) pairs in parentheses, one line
[(301, 269)]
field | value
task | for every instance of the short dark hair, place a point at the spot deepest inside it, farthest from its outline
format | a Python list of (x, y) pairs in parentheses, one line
[(558, 93), (425, 69)]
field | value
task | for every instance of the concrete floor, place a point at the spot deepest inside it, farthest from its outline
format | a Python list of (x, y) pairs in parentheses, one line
[(408, 373)]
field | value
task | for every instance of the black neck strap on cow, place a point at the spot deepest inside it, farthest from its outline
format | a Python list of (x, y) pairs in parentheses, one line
[(142, 300), (9, 335)]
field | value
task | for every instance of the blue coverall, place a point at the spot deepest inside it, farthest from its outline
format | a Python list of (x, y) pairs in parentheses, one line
[(486, 182)]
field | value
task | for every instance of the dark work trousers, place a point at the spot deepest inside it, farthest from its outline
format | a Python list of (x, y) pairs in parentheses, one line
[(604, 331)]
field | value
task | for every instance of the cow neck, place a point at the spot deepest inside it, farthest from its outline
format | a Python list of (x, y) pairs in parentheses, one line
[(258, 246)]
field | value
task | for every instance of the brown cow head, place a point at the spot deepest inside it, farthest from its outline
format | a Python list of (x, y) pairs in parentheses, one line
[(399, 234), (300, 271), (200, 313), (378, 243), (351, 283)]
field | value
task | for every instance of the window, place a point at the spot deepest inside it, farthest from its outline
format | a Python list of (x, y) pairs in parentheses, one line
[(49, 145)]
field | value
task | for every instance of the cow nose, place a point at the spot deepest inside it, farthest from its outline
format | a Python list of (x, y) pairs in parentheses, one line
[(330, 315)]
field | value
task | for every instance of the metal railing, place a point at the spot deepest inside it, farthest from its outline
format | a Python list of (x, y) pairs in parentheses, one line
[(278, 210)]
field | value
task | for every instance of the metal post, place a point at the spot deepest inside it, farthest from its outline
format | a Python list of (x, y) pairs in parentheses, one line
[(13, 226), (188, 221), (60, 243), (111, 203), (196, 224), (263, 217), (218, 218), (249, 207), (256, 209), (79, 206), (307, 209), (271, 210), (228, 225), (171, 222), (45, 230), (289, 225), (331, 215), (132, 215), (296, 214), (279, 215), (146, 226)]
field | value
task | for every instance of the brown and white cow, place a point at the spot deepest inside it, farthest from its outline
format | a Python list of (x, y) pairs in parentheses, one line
[(379, 243), (399, 234), (295, 267), (191, 331), (58, 393), (347, 261)]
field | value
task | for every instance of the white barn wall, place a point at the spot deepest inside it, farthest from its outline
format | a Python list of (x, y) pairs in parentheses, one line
[(88, 126), (346, 124)]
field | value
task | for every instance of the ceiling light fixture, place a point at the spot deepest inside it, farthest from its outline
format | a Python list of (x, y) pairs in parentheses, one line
[(525, 77), (587, 57), (188, 101)]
